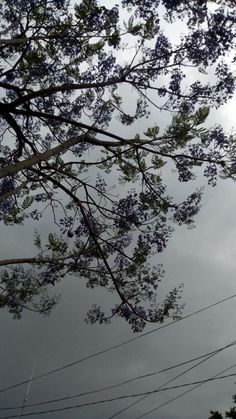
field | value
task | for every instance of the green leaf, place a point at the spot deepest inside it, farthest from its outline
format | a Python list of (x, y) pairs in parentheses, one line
[(152, 132), (201, 114)]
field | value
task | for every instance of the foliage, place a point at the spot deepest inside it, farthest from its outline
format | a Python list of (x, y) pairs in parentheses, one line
[(66, 75), (228, 414)]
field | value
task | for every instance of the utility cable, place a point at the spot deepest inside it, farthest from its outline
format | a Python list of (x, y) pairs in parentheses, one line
[(112, 399), (182, 394), (173, 379), (119, 345), (208, 355)]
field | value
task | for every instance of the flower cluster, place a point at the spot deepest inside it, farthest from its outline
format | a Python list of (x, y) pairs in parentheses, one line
[(185, 211), (130, 212)]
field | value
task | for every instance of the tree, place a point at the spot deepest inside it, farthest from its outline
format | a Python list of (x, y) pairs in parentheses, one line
[(67, 73), (228, 414)]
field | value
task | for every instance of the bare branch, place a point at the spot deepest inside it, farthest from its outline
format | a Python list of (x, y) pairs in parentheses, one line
[(68, 87), (61, 148)]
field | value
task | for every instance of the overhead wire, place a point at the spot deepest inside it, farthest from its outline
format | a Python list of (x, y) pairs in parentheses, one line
[(116, 346), (125, 396), (182, 394), (64, 398), (173, 379)]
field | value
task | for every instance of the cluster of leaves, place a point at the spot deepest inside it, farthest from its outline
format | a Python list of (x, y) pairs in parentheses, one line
[(62, 73), (20, 287), (228, 414)]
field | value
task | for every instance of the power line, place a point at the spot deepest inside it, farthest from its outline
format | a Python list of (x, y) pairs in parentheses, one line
[(158, 388), (119, 345), (182, 394), (173, 379), (208, 355), (121, 397)]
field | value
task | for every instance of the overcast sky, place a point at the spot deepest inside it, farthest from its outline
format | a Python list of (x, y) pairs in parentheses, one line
[(204, 259)]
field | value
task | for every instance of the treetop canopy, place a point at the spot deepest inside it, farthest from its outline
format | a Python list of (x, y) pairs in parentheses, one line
[(72, 76)]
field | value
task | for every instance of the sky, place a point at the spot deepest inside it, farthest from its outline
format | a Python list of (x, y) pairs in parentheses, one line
[(204, 260)]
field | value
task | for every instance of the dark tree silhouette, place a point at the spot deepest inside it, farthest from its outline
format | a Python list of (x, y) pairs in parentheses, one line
[(228, 414)]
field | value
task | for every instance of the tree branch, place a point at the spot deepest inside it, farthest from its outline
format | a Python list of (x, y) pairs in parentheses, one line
[(67, 87), (61, 148), (33, 260), (96, 242)]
